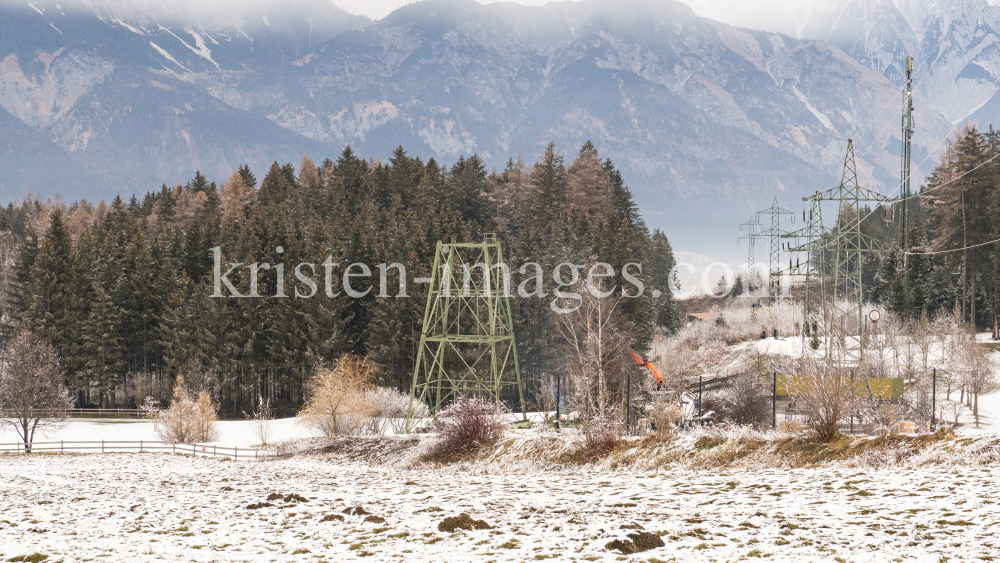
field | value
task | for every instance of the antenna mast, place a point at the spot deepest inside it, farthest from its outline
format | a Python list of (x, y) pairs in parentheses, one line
[(907, 136)]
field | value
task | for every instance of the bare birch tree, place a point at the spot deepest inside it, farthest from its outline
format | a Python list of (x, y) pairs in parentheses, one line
[(33, 394), (594, 341)]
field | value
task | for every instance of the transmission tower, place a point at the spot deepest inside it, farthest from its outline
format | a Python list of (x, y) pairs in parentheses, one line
[(752, 226), (847, 246), (907, 136), (467, 341), (815, 264), (774, 234)]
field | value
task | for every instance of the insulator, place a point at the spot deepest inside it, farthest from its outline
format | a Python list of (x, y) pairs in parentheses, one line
[(803, 214)]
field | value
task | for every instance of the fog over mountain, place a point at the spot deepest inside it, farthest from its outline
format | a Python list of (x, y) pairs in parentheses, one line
[(706, 121)]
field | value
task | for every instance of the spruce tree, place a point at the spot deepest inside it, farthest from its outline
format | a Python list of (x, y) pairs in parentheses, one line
[(276, 187), (51, 313), (102, 348), (548, 181), (249, 180), (661, 262)]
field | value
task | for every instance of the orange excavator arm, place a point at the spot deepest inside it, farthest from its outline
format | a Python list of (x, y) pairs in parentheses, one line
[(643, 362), (656, 373)]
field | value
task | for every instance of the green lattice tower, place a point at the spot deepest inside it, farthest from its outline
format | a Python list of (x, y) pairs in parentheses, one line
[(467, 342), (847, 246)]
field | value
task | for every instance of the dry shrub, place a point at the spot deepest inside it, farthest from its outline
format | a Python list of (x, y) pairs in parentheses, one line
[(337, 401), (745, 400), (389, 409), (141, 387), (664, 416), (187, 420), (262, 420), (828, 393), (468, 424), (602, 434)]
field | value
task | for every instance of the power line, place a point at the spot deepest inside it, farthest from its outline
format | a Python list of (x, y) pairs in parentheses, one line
[(955, 249), (955, 179), (943, 139)]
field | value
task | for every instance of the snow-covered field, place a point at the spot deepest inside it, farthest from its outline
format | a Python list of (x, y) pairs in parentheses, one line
[(139, 507)]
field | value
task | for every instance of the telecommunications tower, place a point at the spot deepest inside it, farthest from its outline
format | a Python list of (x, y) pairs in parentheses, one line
[(907, 136)]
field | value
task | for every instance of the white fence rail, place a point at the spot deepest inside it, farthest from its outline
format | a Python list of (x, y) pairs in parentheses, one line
[(82, 413), (140, 446)]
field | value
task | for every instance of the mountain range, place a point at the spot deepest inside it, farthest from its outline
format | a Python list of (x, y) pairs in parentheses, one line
[(708, 121)]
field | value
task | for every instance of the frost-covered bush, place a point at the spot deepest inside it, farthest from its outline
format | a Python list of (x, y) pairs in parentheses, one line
[(188, 420), (468, 424), (337, 400), (740, 322), (390, 408), (745, 400), (262, 420), (664, 416), (602, 434), (828, 394)]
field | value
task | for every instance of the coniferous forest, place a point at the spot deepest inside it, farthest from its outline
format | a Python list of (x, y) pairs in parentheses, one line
[(123, 291)]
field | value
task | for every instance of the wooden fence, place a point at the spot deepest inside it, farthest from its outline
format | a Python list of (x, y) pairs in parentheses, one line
[(116, 413), (83, 413), (140, 446)]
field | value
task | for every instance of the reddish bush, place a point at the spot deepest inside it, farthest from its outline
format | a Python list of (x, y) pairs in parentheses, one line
[(601, 435), (468, 424)]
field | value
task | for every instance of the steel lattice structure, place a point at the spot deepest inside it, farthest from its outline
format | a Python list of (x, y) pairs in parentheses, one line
[(904, 173), (842, 294), (774, 235), (750, 237), (814, 250), (467, 341)]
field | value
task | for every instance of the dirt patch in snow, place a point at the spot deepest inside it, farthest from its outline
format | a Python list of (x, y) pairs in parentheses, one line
[(641, 541), (462, 522)]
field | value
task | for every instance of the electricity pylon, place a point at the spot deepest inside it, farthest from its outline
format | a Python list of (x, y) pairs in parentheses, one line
[(813, 247), (752, 225), (774, 234), (467, 342), (847, 245)]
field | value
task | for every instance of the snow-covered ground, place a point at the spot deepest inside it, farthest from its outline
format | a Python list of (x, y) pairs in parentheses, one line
[(145, 507)]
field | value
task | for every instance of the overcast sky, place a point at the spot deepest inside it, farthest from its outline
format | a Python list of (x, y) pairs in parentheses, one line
[(747, 12), (378, 9)]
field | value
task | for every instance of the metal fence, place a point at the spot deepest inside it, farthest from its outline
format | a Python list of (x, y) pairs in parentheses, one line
[(140, 446)]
